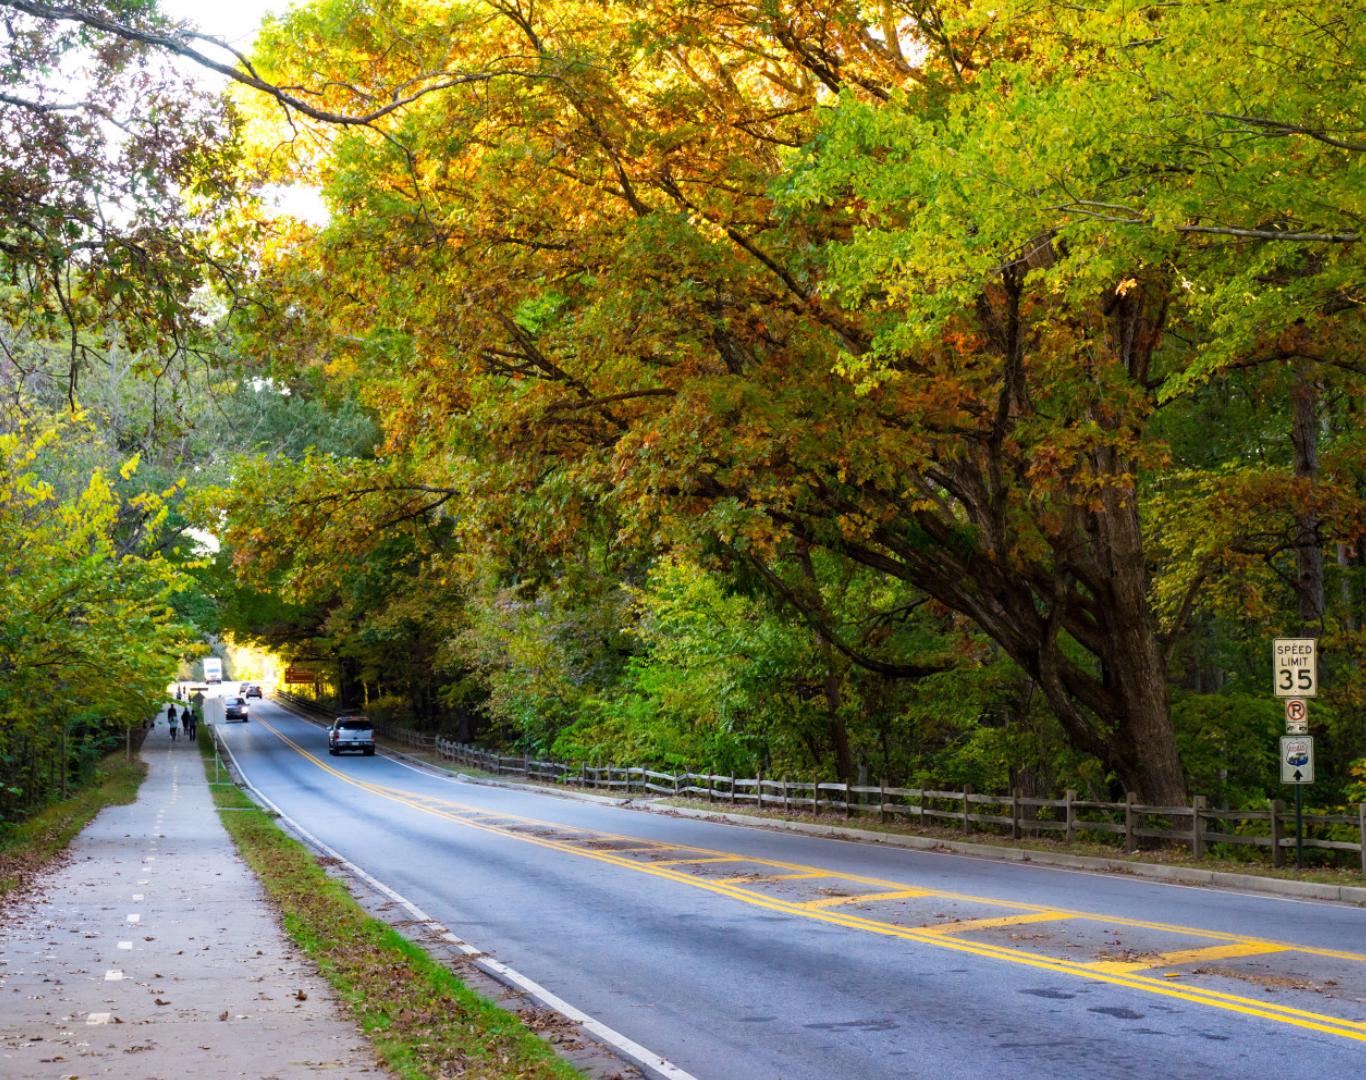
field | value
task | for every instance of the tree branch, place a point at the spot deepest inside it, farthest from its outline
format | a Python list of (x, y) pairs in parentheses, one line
[(180, 44)]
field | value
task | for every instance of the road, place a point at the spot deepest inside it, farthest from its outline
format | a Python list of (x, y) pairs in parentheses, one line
[(742, 953)]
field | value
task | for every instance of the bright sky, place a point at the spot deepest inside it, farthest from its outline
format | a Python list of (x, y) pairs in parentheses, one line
[(236, 22)]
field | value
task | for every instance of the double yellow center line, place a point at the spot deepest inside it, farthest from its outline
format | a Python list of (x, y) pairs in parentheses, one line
[(551, 835)]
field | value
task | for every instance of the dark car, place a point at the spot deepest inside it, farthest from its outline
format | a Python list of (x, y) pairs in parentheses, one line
[(235, 708), (351, 733), (250, 690)]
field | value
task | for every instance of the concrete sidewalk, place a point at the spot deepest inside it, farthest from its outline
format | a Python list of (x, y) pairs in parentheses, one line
[(154, 953)]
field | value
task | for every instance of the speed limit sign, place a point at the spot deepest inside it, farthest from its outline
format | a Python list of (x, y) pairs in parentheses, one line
[(1294, 667)]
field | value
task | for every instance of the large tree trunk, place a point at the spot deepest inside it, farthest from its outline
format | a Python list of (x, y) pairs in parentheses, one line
[(1308, 551), (839, 733), (1142, 750)]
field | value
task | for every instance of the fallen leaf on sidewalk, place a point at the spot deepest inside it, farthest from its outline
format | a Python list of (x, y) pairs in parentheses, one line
[(299, 995), (160, 1002), (223, 1015)]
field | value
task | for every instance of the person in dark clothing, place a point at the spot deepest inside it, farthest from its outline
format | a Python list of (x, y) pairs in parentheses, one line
[(187, 718)]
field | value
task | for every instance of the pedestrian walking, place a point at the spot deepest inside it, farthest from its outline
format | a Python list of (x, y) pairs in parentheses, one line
[(173, 722), (187, 719), (170, 714)]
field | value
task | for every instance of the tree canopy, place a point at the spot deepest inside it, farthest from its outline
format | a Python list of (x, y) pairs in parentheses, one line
[(934, 388)]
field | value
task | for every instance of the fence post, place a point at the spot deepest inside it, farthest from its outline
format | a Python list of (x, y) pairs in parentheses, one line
[(1130, 822), (732, 790), (785, 808), (882, 800), (711, 788), (1198, 827), (815, 796), (1014, 813), (643, 778), (1361, 815), (1068, 799), (759, 791), (967, 823), (1277, 855), (848, 801)]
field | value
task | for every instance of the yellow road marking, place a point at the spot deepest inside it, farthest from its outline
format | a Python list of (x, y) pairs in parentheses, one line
[(965, 925), (1285, 1014), (800, 872), (1192, 956), (756, 878), (837, 901), (699, 859)]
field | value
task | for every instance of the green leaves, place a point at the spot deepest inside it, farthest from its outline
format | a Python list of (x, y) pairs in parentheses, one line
[(88, 635)]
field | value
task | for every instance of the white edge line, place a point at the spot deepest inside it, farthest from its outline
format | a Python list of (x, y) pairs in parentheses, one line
[(647, 1059)]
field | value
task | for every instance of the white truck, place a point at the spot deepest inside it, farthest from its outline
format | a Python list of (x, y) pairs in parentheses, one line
[(213, 670)]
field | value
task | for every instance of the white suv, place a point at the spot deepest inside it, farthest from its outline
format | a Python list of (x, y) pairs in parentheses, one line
[(351, 733)]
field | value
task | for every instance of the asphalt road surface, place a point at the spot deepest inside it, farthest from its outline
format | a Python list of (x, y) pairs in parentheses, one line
[(743, 953)]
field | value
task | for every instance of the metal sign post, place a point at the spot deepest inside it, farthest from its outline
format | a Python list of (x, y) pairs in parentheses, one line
[(1295, 676), (1299, 831), (1297, 768)]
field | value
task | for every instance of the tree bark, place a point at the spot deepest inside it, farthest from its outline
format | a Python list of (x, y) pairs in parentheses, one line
[(1308, 549), (839, 733)]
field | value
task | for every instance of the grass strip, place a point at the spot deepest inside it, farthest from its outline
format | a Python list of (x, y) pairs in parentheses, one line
[(422, 1020), (29, 846)]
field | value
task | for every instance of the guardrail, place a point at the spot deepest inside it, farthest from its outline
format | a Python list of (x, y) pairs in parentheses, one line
[(307, 704), (416, 739), (1198, 825)]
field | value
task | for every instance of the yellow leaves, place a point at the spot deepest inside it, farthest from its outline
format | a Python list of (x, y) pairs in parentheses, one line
[(130, 466)]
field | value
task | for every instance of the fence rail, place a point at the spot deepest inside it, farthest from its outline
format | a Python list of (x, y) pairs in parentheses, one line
[(1197, 825)]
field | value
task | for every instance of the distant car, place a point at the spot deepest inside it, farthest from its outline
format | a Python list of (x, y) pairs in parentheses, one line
[(351, 733), (250, 690), (235, 708)]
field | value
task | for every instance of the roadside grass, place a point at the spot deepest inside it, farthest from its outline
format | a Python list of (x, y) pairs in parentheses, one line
[(29, 846), (421, 1019)]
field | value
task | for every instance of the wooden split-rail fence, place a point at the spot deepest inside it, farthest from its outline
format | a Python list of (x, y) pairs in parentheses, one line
[(1197, 825)]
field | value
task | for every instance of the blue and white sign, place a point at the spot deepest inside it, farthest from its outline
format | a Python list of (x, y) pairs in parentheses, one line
[(1297, 759)]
